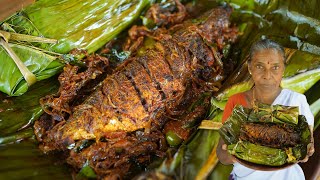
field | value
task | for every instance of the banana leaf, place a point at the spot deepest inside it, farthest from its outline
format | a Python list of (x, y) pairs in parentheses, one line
[(274, 114), (26, 133), (313, 97), (255, 153), (25, 161), (315, 109), (189, 162), (19, 112), (258, 154), (85, 25), (39, 63), (294, 24)]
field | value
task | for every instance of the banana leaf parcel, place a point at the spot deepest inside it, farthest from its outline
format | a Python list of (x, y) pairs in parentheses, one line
[(84, 25), (267, 135)]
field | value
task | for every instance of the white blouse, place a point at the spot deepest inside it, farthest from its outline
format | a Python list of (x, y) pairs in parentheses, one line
[(294, 172)]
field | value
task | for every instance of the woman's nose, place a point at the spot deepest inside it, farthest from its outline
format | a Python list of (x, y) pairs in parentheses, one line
[(267, 74)]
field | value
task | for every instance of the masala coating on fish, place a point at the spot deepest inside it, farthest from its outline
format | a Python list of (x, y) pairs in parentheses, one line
[(271, 135), (124, 117)]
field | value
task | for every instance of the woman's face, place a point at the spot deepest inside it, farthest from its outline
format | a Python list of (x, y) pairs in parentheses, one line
[(267, 67)]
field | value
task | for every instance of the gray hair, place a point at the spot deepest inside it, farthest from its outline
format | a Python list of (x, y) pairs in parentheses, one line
[(266, 44)]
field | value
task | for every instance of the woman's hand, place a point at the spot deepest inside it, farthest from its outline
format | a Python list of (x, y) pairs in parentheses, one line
[(223, 155), (310, 152), (310, 147)]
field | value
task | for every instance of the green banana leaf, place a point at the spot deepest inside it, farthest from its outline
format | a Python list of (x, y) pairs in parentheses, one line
[(39, 63), (19, 112), (255, 153), (274, 114), (189, 159), (258, 154), (294, 24), (25, 161), (85, 25), (198, 148), (26, 133), (313, 97)]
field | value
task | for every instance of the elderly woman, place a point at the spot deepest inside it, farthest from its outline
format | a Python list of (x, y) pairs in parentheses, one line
[(266, 66)]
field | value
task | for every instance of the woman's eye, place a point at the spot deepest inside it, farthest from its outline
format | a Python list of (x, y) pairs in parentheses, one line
[(275, 67), (259, 67)]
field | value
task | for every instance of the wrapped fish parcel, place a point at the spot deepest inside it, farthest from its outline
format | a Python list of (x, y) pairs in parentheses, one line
[(266, 136)]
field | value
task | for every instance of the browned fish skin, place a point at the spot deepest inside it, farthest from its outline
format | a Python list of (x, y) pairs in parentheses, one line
[(271, 135), (126, 114), (123, 103)]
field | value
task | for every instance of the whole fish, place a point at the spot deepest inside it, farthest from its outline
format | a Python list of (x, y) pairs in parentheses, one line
[(121, 122)]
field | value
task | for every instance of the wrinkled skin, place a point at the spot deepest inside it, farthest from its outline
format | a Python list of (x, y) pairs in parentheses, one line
[(125, 118)]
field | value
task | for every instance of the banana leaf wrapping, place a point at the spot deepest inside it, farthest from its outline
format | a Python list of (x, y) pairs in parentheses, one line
[(266, 115), (85, 25), (42, 65), (258, 154), (276, 113)]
